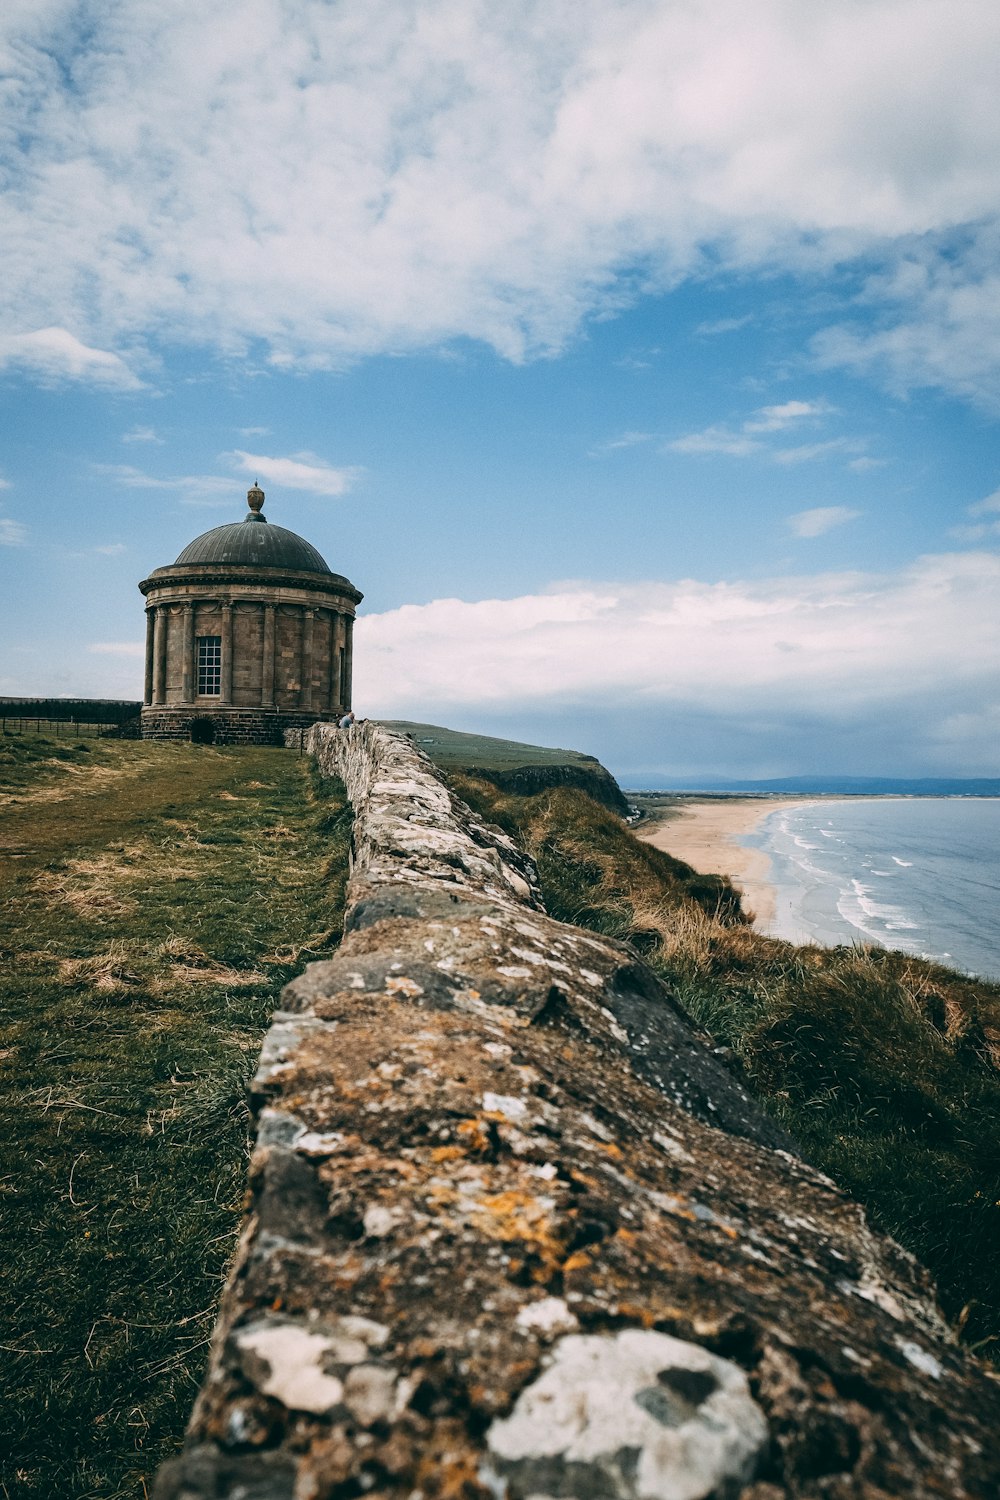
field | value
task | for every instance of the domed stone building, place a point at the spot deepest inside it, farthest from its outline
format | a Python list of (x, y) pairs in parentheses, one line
[(248, 633)]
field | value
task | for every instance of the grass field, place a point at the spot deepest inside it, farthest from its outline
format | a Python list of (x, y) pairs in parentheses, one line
[(154, 900), (886, 1068), (450, 748)]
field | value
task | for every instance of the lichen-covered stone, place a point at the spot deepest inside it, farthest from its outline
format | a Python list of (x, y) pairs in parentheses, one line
[(494, 1167), (636, 1415)]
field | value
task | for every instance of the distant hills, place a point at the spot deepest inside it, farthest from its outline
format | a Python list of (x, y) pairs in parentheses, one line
[(845, 786)]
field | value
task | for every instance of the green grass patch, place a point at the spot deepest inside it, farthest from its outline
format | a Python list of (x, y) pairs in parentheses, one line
[(452, 748), (155, 899), (886, 1068)]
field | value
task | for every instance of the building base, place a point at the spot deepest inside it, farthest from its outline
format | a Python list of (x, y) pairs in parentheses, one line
[(227, 726)]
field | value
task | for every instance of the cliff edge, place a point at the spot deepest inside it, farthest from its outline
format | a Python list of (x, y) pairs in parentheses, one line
[(514, 766)]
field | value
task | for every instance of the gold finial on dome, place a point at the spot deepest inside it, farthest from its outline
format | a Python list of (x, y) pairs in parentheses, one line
[(255, 500)]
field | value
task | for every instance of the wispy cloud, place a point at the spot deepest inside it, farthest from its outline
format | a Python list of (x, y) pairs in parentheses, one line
[(300, 471), (502, 179), (117, 648), (736, 444), (823, 518), (981, 530), (615, 445), (113, 549), (719, 326), (190, 489), (55, 355), (986, 507), (12, 533), (141, 435), (751, 435), (805, 453), (787, 414)]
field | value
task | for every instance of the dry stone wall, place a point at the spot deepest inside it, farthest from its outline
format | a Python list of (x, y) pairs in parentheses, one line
[(513, 1231)]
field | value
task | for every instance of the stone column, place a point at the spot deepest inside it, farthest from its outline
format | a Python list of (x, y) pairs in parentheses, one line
[(348, 661), (306, 684), (267, 666), (160, 655), (336, 664), (147, 691), (226, 694), (188, 667)]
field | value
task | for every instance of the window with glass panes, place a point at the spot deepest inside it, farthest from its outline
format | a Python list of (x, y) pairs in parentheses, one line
[(209, 665)]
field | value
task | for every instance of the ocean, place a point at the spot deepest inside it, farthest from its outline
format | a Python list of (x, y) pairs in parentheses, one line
[(917, 873)]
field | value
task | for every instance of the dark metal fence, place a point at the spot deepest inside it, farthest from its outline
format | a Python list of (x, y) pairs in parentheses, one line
[(65, 716)]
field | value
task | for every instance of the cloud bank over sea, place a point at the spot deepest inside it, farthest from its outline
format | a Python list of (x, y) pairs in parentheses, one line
[(895, 670)]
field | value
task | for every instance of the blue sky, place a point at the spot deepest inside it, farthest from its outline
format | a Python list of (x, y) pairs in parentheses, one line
[(639, 361)]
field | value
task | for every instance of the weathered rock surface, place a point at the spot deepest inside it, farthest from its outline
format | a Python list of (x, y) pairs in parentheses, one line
[(512, 1230)]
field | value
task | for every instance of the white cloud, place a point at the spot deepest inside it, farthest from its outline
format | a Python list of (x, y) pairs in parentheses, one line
[(981, 530), (716, 440), (751, 434), (302, 471), (615, 445), (816, 522), (777, 418), (453, 168), (834, 648), (12, 533), (190, 489), (723, 325), (805, 453), (117, 648), (113, 549), (56, 355), (986, 507), (932, 318), (141, 435)]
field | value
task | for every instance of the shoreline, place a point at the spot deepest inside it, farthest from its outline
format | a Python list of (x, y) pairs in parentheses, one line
[(704, 835)]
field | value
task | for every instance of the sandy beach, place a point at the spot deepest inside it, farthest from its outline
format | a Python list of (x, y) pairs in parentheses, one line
[(704, 835)]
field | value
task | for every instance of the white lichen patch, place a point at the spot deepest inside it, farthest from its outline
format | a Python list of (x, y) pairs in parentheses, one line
[(505, 1104), (370, 1394), (638, 1415), (380, 1220), (313, 1143), (920, 1359), (293, 1357), (549, 1315), (672, 1147)]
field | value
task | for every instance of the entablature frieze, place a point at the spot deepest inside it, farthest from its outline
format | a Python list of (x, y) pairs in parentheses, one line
[(178, 594), (167, 584)]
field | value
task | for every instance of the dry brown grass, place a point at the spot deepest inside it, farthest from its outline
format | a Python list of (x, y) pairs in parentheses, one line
[(134, 994)]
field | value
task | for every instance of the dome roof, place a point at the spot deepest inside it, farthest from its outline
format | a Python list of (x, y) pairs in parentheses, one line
[(254, 541)]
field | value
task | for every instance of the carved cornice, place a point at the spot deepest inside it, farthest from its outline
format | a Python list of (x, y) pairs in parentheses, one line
[(262, 580)]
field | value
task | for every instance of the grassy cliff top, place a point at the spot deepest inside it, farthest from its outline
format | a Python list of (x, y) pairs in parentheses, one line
[(450, 747)]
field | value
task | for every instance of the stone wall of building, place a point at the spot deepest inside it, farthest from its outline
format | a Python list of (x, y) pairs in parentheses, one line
[(234, 726), (513, 1231)]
